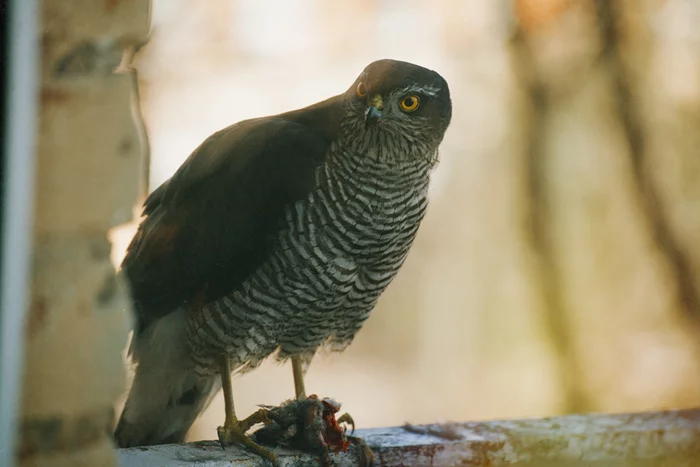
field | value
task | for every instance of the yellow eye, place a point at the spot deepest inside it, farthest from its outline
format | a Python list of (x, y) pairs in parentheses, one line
[(361, 91), (410, 103)]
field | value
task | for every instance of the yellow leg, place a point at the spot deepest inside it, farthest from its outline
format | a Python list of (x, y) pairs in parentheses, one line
[(234, 430), (227, 387), (298, 372)]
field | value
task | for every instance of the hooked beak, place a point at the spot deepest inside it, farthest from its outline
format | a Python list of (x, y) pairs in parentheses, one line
[(374, 112)]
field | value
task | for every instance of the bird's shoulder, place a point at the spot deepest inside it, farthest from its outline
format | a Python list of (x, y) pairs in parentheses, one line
[(275, 145)]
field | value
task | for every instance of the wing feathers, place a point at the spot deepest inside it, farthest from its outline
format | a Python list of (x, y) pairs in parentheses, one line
[(209, 226)]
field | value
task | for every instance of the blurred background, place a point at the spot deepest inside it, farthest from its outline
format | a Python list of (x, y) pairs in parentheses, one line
[(558, 267)]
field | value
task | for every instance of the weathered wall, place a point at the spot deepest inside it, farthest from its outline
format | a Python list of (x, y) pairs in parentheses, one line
[(89, 164)]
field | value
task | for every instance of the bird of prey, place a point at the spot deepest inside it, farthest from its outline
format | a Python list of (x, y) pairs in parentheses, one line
[(276, 236)]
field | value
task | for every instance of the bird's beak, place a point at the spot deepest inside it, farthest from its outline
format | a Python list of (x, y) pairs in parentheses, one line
[(374, 111)]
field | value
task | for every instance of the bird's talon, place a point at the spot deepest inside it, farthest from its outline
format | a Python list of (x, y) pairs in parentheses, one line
[(346, 418), (325, 458), (260, 416), (219, 433), (276, 418), (366, 454), (236, 434)]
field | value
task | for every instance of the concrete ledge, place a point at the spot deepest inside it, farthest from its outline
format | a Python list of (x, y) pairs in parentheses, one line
[(669, 438)]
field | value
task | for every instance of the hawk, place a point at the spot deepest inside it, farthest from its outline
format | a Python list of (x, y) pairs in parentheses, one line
[(276, 236)]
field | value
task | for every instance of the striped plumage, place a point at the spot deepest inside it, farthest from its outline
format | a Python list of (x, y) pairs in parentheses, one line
[(340, 248), (347, 201)]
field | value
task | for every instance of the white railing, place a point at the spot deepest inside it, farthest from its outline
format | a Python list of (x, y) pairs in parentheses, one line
[(18, 207)]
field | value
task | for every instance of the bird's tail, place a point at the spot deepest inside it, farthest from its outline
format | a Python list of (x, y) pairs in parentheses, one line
[(166, 396)]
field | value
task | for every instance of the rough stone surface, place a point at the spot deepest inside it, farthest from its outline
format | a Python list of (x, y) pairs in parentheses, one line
[(669, 438)]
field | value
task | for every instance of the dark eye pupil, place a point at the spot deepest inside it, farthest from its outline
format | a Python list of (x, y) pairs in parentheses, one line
[(408, 102)]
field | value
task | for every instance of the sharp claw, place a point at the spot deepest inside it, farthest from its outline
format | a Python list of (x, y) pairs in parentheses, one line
[(219, 434), (235, 433), (366, 454), (260, 416), (346, 418), (276, 418), (325, 457)]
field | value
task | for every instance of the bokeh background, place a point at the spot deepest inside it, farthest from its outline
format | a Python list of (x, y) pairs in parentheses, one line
[(558, 267)]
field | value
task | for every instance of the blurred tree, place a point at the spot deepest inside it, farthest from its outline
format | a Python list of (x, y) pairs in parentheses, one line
[(563, 51)]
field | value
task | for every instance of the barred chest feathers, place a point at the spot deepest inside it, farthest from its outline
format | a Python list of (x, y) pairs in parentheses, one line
[(337, 250), (346, 241), (364, 210)]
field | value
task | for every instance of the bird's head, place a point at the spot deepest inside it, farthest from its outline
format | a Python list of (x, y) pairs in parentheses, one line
[(401, 110)]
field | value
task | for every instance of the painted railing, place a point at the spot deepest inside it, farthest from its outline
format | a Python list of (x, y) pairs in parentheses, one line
[(668, 439)]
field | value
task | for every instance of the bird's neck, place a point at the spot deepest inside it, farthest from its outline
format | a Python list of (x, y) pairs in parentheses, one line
[(369, 168)]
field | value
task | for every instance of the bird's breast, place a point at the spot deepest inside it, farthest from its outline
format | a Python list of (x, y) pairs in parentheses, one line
[(336, 252), (367, 216)]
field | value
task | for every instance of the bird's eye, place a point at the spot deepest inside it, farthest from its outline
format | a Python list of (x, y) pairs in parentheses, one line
[(410, 103), (361, 91)]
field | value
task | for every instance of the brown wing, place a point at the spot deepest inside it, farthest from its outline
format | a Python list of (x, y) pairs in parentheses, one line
[(209, 227)]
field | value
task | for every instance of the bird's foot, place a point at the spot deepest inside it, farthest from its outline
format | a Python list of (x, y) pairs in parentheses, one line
[(235, 432), (309, 424), (365, 455), (347, 419), (259, 416)]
